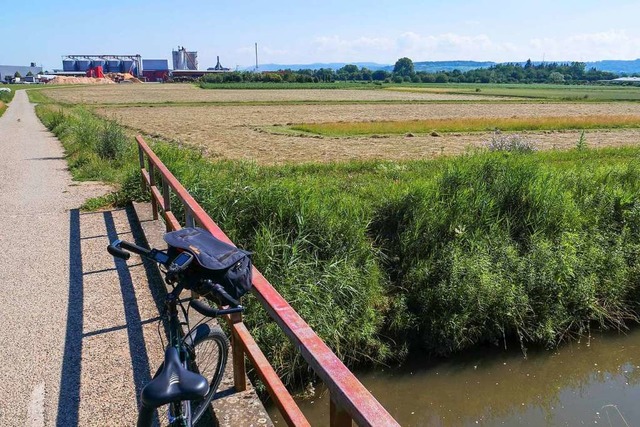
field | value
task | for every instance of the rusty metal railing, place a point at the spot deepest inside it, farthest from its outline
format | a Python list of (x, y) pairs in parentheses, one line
[(349, 399)]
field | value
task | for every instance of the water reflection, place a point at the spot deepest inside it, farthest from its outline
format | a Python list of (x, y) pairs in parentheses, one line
[(592, 382)]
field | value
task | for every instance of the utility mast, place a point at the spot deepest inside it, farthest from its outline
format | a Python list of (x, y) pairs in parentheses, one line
[(256, 56)]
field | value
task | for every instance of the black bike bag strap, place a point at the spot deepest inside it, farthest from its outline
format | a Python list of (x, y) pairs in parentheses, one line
[(218, 261)]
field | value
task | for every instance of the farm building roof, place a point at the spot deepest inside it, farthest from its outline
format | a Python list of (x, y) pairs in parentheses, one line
[(10, 70), (155, 64)]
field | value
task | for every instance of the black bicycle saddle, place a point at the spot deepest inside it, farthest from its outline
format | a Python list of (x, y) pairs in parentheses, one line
[(174, 383)]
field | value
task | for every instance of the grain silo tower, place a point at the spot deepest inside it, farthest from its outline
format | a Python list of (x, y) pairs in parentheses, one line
[(183, 60)]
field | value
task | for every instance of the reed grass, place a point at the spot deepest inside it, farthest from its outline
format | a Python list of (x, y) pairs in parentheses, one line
[(479, 124)]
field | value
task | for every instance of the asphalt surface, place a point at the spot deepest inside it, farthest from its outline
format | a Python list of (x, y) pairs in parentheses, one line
[(78, 337)]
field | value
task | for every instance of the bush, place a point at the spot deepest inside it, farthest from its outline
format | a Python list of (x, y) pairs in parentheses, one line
[(428, 78), (510, 142), (272, 78), (211, 78), (112, 141)]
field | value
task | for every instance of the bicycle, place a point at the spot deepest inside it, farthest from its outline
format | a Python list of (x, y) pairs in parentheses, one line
[(185, 383)]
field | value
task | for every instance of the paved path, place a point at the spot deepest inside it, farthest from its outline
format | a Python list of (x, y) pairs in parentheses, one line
[(79, 334), (77, 338)]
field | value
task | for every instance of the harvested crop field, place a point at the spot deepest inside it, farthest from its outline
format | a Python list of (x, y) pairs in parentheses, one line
[(242, 132), (188, 93)]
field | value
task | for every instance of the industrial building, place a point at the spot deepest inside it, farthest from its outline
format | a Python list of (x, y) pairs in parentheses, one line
[(81, 64), (185, 66), (155, 70), (7, 72)]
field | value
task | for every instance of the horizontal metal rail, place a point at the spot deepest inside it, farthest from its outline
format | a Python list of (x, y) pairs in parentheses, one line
[(350, 400)]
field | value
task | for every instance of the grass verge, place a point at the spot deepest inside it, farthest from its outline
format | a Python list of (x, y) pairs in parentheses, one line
[(5, 98), (382, 258), (483, 124)]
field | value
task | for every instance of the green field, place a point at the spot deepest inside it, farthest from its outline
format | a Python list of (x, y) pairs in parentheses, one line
[(581, 93)]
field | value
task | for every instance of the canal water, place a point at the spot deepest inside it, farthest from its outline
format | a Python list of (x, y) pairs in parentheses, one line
[(595, 381)]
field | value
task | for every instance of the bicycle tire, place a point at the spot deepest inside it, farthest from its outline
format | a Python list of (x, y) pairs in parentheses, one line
[(210, 350), (208, 347)]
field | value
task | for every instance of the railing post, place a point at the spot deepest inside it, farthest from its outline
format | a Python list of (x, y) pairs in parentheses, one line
[(239, 366), (152, 183), (337, 416), (167, 199)]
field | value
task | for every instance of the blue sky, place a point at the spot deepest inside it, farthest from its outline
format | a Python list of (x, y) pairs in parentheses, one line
[(297, 32)]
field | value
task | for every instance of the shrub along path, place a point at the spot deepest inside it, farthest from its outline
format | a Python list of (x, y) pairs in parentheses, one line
[(73, 351)]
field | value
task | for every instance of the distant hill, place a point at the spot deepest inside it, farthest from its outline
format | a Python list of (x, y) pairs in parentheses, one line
[(614, 66), (316, 66), (436, 66)]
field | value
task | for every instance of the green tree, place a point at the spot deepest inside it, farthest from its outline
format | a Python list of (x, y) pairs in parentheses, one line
[(556, 77), (404, 67), (17, 74), (379, 75)]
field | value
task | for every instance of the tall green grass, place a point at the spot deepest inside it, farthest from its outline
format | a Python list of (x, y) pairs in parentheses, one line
[(478, 124), (96, 149), (382, 258), (5, 98)]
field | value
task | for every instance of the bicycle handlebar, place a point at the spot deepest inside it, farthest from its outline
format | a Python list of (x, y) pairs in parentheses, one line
[(206, 310), (203, 308), (116, 249), (122, 249)]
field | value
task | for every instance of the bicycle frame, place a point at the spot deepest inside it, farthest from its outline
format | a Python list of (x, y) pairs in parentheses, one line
[(175, 340)]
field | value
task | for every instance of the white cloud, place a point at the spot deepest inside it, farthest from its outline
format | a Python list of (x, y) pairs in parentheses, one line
[(448, 46), (613, 44), (451, 46)]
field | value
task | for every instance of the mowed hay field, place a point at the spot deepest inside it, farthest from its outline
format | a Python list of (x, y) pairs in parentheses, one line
[(252, 132), (188, 93)]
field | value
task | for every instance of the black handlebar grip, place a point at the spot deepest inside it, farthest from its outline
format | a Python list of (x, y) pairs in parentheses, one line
[(204, 308), (220, 290), (117, 252), (134, 248)]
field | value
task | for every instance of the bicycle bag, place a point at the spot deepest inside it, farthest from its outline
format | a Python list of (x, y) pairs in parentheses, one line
[(216, 260)]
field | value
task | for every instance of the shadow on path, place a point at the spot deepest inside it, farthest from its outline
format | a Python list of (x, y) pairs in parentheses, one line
[(69, 403)]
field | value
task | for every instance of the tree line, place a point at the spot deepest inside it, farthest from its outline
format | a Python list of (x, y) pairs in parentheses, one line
[(404, 71)]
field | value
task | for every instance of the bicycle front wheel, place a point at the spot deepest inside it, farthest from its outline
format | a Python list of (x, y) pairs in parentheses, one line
[(209, 349)]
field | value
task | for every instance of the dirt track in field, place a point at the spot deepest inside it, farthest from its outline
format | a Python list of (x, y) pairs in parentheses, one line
[(237, 132)]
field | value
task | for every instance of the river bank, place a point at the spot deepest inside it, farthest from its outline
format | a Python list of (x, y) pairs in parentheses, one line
[(386, 259)]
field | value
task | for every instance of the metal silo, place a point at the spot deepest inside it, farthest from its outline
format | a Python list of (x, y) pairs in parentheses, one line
[(83, 64), (191, 59), (98, 63), (178, 60), (127, 66), (113, 66), (68, 65)]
